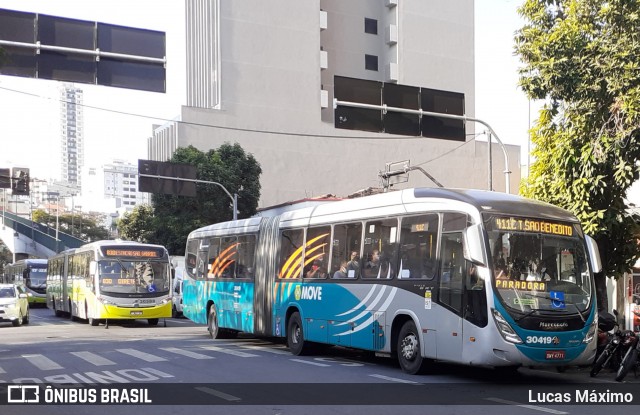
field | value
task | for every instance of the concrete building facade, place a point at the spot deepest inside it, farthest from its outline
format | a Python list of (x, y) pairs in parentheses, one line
[(262, 74), (121, 184)]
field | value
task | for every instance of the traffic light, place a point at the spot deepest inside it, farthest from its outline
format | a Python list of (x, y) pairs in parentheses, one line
[(19, 181)]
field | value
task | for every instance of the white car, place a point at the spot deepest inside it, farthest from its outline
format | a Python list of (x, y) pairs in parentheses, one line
[(14, 304)]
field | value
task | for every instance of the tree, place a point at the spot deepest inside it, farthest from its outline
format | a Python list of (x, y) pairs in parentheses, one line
[(83, 225), (6, 257), (137, 225), (582, 58), (174, 217)]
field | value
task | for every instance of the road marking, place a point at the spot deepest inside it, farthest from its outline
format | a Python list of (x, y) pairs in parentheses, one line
[(157, 372), (41, 362), (187, 353), (2, 370), (535, 408), (228, 351), (309, 363), (142, 355), (93, 358), (265, 349), (394, 379), (218, 394)]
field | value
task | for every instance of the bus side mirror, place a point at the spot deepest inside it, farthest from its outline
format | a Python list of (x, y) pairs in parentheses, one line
[(594, 254), (474, 245)]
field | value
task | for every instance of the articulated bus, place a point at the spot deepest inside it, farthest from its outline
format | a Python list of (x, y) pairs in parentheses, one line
[(111, 280), (32, 275), (464, 276)]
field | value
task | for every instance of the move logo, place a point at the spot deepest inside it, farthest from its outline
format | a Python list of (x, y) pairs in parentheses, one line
[(308, 292)]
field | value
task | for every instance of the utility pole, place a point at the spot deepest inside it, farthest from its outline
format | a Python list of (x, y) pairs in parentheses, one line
[(385, 108)]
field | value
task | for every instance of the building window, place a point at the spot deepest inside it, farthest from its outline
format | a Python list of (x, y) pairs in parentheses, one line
[(371, 62), (370, 26)]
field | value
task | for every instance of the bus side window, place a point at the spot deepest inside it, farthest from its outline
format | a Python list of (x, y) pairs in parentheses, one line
[(418, 240), (346, 246), (316, 256), (380, 248), (246, 255), (291, 251)]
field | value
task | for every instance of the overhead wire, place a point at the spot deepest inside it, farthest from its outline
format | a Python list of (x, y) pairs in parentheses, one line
[(247, 129), (196, 124)]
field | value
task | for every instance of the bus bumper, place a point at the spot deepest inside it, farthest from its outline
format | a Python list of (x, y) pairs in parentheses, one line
[(115, 312)]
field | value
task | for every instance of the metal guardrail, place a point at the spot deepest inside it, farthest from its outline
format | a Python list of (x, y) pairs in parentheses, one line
[(41, 234)]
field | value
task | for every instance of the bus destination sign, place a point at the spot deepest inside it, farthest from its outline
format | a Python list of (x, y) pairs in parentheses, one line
[(532, 225), (133, 252)]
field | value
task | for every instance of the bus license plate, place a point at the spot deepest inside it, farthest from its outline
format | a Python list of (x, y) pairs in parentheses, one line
[(554, 354), (136, 313)]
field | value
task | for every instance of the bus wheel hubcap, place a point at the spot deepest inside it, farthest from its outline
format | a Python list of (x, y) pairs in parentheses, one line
[(409, 347)]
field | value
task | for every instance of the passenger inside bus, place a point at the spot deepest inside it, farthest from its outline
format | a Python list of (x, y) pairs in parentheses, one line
[(342, 272), (353, 266), (316, 269)]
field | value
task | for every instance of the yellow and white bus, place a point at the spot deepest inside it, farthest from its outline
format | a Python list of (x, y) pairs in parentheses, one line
[(111, 280)]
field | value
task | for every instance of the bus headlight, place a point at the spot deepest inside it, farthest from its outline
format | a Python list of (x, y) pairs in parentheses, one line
[(505, 329), (590, 334), (104, 301), (165, 301)]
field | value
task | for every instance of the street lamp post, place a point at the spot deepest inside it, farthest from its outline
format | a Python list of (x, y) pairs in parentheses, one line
[(80, 211)]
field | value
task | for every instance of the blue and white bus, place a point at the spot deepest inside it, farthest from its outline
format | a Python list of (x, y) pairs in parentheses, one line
[(465, 276), (30, 274)]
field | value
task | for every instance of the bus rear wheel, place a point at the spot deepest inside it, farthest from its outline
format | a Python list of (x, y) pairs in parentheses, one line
[(295, 335), (212, 323), (409, 350)]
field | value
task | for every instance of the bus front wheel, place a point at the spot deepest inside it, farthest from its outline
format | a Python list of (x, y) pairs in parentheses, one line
[(153, 321), (409, 350), (295, 335), (212, 323)]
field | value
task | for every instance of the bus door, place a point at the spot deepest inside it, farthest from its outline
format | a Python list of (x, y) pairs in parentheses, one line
[(450, 297)]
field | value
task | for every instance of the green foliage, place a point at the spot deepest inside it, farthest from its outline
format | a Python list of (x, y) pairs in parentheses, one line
[(174, 217), (81, 225), (137, 225), (583, 58), (6, 257)]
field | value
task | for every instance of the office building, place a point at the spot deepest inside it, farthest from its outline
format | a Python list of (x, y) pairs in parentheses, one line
[(71, 134), (265, 75)]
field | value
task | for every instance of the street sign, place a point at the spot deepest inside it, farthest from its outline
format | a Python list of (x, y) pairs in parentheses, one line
[(5, 178), (164, 177), (20, 181)]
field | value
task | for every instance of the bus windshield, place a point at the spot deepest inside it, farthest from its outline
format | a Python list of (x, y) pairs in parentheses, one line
[(540, 267), (133, 277), (36, 278)]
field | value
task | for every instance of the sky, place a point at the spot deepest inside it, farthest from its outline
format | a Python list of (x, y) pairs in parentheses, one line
[(29, 127)]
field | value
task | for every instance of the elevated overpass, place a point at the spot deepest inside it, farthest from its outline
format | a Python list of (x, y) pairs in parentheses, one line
[(26, 238)]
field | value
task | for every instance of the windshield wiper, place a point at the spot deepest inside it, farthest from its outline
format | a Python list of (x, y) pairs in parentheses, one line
[(548, 297)]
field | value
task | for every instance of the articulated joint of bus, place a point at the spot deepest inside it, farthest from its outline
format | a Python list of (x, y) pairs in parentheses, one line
[(505, 329)]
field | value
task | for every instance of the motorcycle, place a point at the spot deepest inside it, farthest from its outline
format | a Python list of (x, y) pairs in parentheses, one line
[(630, 360), (611, 346)]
